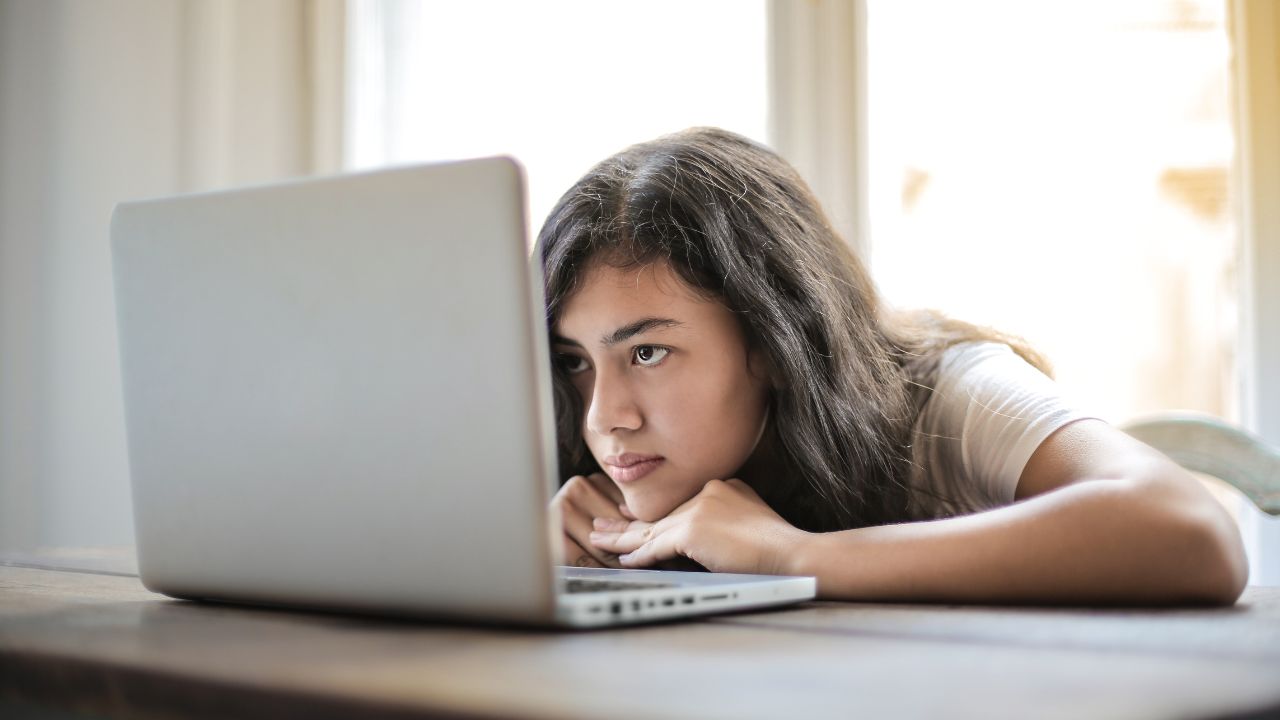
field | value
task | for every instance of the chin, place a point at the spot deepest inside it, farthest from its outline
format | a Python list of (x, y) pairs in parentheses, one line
[(650, 509), (641, 509)]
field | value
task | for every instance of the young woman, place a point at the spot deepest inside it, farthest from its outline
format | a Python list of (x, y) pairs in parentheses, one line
[(731, 392)]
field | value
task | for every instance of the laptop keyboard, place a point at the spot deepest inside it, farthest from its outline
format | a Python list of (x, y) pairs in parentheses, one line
[(578, 585)]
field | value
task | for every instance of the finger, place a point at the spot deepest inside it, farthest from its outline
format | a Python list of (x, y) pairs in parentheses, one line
[(581, 503), (606, 486), (626, 512), (575, 556), (592, 500), (625, 538), (661, 547), (578, 527)]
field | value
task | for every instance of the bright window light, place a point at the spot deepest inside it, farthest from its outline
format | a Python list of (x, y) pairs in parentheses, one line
[(1060, 171), (559, 85)]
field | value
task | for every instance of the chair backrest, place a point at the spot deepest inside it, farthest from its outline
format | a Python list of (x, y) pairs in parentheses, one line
[(1205, 444)]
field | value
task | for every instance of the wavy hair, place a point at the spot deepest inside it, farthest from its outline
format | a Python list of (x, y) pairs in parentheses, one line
[(737, 223)]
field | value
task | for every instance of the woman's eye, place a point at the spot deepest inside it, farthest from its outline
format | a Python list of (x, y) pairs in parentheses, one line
[(572, 364), (649, 355)]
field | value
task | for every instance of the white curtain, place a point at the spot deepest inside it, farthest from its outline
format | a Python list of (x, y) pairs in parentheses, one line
[(817, 104), (103, 102)]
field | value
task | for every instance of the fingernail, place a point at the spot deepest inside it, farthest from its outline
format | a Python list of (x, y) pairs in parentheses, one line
[(625, 558)]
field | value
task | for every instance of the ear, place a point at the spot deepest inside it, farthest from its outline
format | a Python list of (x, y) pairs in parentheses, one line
[(761, 368)]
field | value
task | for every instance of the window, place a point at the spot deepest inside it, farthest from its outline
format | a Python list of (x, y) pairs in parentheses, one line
[(1061, 172), (558, 85)]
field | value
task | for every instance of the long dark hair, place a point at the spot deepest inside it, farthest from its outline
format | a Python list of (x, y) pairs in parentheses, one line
[(737, 223)]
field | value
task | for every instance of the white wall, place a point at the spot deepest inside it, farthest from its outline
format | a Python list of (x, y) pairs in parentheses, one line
[(87, 117), (102, 102)]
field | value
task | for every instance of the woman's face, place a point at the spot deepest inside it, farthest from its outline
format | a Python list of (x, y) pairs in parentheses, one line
[(673, 396)]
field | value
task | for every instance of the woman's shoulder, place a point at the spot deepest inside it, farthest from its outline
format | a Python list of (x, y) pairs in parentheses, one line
[(989, 411), (976, 351), (984, 359), (987, 384)]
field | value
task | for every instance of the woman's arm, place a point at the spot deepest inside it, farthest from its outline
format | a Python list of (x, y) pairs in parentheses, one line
[(1100, 517)]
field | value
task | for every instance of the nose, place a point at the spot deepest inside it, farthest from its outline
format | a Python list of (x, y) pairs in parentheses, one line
[(612, 406)]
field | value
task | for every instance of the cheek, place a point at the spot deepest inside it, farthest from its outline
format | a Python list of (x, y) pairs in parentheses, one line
[(713, 423)]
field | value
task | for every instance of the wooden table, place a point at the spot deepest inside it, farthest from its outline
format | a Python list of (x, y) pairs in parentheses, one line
[(97, 643)]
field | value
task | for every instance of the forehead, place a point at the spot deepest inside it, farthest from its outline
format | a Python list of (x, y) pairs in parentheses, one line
[(608, 297)]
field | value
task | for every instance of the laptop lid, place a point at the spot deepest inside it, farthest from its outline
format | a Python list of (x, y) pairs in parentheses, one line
[(337, 393)]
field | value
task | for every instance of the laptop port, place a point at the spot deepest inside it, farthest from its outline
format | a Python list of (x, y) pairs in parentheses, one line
[(635, 605), (668, 601), (615, 608), (716, 597), (687, 600)]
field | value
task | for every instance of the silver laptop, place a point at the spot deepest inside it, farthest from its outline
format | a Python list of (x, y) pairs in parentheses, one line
[(337, 396)]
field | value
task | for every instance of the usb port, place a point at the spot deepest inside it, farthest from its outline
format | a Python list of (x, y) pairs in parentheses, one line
[(687, 600), (668, 601), (716, 597)]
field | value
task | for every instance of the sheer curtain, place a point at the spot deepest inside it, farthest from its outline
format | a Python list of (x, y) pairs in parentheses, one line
[(103, 102)]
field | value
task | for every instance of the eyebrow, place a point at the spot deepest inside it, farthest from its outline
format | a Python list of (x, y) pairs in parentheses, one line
[(626, 332)]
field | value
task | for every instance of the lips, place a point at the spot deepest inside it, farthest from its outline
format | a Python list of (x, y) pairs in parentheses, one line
[(629, 467)]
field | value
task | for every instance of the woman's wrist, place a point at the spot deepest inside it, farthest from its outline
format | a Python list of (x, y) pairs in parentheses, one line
[(835, 559), (796, 551)]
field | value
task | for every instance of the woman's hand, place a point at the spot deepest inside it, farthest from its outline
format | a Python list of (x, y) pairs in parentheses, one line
[(582, 499), (726, 527)]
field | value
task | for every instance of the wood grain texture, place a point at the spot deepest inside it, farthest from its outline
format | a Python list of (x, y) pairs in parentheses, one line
[(103, 644)]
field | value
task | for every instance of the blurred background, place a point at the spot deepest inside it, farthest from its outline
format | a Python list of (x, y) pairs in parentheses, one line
[(1100, 177)]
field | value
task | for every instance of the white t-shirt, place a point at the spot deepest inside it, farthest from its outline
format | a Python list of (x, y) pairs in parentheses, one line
[(989, 411)]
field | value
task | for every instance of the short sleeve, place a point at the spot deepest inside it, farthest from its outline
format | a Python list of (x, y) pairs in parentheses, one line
[(989, 411)]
